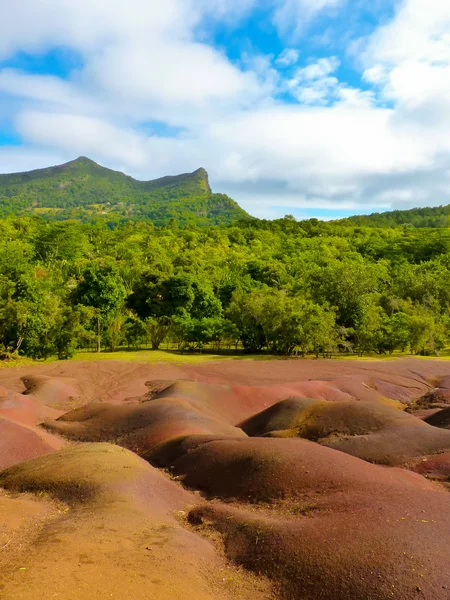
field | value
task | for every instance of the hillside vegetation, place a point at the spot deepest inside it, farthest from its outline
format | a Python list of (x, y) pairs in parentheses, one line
[(83, 190), (435, 217), (283, 287)]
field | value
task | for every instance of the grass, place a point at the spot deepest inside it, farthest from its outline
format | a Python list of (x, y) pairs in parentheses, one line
[(150, 356), (171, 356)]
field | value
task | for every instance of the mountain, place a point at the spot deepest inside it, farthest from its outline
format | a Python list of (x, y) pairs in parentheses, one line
[(83, 190), (436, 217)]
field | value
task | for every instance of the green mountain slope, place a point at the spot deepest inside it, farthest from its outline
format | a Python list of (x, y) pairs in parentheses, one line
[(435, 217), (83, 190)]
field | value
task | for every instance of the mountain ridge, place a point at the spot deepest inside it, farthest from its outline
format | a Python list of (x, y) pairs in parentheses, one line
[(82, 189)]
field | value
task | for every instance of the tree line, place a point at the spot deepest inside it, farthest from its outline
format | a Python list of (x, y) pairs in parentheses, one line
[(284, 287)]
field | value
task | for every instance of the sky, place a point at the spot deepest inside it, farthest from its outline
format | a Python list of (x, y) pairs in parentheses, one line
[(314, 108)]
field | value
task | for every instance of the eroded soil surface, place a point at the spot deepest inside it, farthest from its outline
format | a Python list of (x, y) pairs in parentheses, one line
[(283, 479)]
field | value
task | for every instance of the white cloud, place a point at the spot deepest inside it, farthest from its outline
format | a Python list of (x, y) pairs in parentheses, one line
[(83, 135), (340, 146), (141, 49), (313, 85), (375, 75), (419, 31), (319, 69), (287, 58), (291, 16), (409, 60)]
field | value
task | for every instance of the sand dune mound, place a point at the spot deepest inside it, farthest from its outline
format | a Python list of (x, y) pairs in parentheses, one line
[(93, 472), (320, 523), (370, 430), (434, 467), (293, 503), (264, 470), (59, 392), (20, 437), (397, 553), (440, 419), (436, 398), (117, 537), (143, 428), (19, 443), (24, 409)]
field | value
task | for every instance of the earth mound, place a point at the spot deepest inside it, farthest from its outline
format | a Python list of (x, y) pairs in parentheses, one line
[(144, 428), (440, 419), (52, 391), (435, 467), (93, 472), (320, 523), (436, 398), (264, 470), (116, 535), (20, 437), (19, 443), (373, 431), (294, 503)]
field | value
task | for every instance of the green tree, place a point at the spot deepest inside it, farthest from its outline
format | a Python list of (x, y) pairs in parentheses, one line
[(101, 288)]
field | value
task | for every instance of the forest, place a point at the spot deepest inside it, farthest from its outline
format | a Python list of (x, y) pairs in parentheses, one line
[(282, 287)]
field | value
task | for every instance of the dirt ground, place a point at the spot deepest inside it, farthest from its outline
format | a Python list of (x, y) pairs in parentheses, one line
[(134, 480)]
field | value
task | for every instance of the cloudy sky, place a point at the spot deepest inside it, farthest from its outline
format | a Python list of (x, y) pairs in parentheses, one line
[(307, 107)]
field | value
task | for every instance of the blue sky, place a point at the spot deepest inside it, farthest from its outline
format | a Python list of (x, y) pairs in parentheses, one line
[(316, 108)]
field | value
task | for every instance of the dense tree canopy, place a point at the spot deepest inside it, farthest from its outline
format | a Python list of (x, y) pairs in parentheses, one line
[(281, 286)]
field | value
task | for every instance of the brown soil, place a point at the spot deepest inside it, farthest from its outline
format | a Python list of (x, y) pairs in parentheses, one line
[(403, 380), (246, 517), (143, 428), (440, 419), (59, 392), (373, 431), (119, 536)]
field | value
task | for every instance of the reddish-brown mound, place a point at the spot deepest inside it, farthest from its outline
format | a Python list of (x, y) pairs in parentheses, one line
[(143, 428), (117, 538), (434, 467), (403, 380), (370, 430), (376, 553), (440, 419), (23, 409), (264, 469), (321, 523), (20, 437), (51, 391), (436, 398), (344, 528), (96, 472), (19, 443)]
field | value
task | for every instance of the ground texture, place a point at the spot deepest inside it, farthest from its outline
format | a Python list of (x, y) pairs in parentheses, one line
[(282, 479)]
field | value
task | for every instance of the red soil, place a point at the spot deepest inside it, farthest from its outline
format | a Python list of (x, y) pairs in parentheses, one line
[(440, 419), (370, 430), (346, 529), (18, 443), (117, 537), (20, 436), (143, 428), (58, 392), (27, 410), (435, 467), (404, 380), (320, 523)]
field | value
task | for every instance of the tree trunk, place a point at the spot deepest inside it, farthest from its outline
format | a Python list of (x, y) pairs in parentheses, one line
[(98, 335), (19, 343)]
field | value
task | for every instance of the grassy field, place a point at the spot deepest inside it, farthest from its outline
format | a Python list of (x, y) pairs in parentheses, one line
[(172, 356)]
